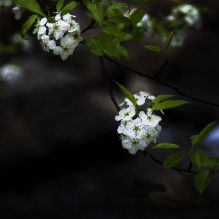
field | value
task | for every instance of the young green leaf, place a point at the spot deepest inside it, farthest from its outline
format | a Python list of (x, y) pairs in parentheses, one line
[(137, 16), (127, 93), (69, 7), (111, 46), (172, 161), (203, 134), (202, 179), (169, 39), (116, 32), (97, 11), (26, 26), (197, 158), (166, 145), (153, 48), (116, 6), (31, 5), (94, 45), (169, 104), (211, 161), (120, 19), (194, 139), (59, 5), (161, 98)]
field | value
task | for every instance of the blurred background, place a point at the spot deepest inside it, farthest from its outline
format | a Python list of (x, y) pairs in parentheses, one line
[(60, 154)]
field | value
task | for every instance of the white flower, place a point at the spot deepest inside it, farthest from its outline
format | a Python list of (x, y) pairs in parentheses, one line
[(67, 47), (68, 17), (133, 145), (58, 28), (151, 135), (40, 27), (135, 128), (17, 10), (47, 44), (149, 119), (122, 128), (126, 114), (5, 3)]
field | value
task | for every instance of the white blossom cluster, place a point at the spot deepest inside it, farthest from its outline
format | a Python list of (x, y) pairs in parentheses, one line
[(138, 128), (65, 30)]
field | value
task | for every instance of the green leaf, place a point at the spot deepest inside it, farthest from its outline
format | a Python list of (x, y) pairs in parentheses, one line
[(116, 32), (116, 6), (169, 39), (157, 42), (111, 46), (120, 19), (127, 93), (169, 104), (96, 11), (137, 16), (69, 7), (172, 161), (94, 45), (211, 161), (31, 5), (203, 134), (138, 33), (26, 26), (202, 179), (197, 158), (153, 48), (59, 5), (123, 51), (194, 139), (161, 97), (166, 145)]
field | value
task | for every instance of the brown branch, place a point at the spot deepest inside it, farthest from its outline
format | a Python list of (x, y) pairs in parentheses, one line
[(108, 83), (181, 171), (154, 78)]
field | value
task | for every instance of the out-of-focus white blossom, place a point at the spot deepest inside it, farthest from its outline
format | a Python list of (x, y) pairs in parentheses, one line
[(146, 22), (17, 10), (26, 45), (10, 72), (5, 3)]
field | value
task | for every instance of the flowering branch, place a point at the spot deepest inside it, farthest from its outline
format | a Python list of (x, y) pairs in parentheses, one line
[(181, 171), (154, 78), (108, 84)]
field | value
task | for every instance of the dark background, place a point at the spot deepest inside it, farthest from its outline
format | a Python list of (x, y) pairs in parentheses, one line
[(60, 154)]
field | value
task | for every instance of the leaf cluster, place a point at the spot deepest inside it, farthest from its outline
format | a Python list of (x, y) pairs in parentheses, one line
[(206, 165)]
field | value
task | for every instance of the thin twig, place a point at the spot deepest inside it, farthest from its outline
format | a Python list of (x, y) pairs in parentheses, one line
[(181, 171), (154, 78), (108, 83), (89, 26)]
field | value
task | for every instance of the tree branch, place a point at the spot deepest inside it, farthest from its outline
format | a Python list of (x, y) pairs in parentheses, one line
[(108, 83), (154, 78), (89, 26), (181, 171)]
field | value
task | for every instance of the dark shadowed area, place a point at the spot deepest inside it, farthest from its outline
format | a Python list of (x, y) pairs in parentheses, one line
[(60, 154)]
